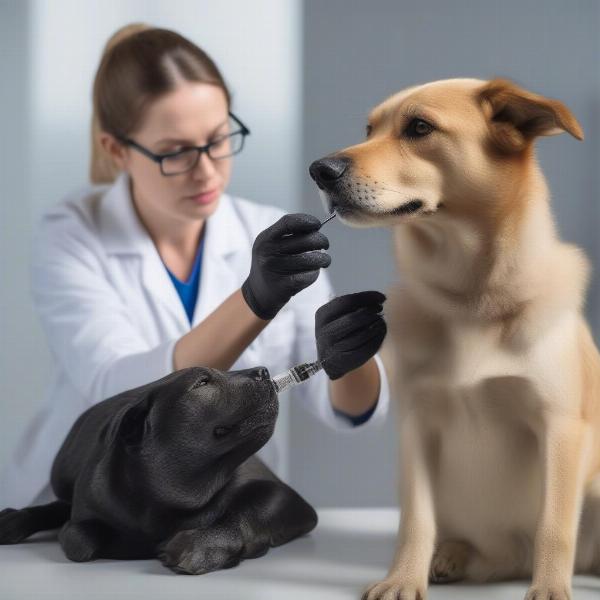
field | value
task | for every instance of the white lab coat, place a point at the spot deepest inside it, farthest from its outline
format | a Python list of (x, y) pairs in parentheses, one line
[(112, 316)]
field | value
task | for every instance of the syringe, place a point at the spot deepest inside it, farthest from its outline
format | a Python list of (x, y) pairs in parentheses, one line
[(295, 375)]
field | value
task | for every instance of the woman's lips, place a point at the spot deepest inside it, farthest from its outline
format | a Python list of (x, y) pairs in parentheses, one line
[(205, 197)]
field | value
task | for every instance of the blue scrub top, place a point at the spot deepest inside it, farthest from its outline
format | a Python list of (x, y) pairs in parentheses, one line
[(188, 290)]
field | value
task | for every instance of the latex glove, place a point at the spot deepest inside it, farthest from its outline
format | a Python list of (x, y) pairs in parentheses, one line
[(286, 258), (349, 330)]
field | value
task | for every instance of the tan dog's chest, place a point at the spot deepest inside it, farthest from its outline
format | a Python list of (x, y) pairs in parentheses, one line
[(491, 362), (477, 405)]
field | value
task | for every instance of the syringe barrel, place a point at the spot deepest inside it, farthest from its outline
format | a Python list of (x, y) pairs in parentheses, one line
[(295, 375)]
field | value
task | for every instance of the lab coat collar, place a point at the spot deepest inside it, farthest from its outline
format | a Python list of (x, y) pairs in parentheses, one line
[(123, 233), (225, 237), (120, 227), (224, 232)]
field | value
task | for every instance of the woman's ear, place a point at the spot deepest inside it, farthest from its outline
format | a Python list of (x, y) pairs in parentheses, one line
[(516, 116), (114, 149)]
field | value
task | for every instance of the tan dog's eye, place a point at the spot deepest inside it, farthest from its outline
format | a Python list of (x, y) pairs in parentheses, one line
[(369, 129), (418, 128)]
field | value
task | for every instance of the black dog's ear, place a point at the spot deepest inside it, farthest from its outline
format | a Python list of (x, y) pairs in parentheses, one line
[(134, 423)]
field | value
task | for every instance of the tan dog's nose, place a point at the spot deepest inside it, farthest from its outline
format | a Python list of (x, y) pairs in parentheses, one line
[(326, 171)]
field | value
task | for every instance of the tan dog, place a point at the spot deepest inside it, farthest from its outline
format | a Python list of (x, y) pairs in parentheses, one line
[(493, 366)]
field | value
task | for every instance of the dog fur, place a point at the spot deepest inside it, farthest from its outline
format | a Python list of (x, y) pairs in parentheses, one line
[(168, 470), (494, 369)]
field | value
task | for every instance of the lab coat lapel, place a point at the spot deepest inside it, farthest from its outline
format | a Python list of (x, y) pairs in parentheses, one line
[(225, 238), (123, 233), (159, 286)]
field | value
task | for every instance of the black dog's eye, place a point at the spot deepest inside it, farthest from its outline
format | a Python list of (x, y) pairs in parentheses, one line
[(369, 130), (222, 431), (201, 381), (418, 128)]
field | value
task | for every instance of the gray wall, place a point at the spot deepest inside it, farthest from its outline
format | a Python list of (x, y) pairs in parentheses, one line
[(355, 54), (22, 375)]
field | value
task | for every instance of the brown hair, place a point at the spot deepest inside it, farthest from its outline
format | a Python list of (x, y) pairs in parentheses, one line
[(140, 63)]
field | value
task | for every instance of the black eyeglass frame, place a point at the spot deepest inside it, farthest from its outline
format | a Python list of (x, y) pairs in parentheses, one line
[(158, 158)]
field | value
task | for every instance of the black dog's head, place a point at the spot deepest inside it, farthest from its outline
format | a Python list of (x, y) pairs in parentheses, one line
[(187, 432)]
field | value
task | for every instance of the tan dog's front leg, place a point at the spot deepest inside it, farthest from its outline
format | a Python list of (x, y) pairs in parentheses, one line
[(563, 457), (408, 576)]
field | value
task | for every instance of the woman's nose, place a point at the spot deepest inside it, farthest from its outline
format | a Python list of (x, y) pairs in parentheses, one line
[(205, 166)]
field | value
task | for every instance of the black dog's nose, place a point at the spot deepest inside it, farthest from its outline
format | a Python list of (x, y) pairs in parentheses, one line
[(260, 374), (328, 170)]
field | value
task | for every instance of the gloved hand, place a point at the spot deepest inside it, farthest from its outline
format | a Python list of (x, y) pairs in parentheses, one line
[(283, 266), (349, 330)]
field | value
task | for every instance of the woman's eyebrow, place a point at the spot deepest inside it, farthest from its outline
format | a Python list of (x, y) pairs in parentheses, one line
[(186, 141)]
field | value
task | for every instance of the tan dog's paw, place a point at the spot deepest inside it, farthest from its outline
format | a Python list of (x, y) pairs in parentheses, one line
[(394, 589), (448, 563), (548, 592)]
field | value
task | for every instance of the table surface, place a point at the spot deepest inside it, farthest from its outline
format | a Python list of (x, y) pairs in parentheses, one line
[(349, 549)]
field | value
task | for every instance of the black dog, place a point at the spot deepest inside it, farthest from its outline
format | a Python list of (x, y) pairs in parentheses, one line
[(167, 470)]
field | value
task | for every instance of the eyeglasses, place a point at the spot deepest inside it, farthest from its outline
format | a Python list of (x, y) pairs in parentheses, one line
[(186, 159)]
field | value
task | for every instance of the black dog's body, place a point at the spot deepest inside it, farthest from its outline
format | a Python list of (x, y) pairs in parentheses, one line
[(168, 470)]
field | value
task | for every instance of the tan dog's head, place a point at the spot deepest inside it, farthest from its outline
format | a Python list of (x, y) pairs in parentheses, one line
[(461, 146)]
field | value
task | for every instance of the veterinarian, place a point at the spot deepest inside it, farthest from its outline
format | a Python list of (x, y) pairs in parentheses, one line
[(155, 268)]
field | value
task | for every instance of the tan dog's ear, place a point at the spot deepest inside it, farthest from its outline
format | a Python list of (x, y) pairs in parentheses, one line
[(516, 116)]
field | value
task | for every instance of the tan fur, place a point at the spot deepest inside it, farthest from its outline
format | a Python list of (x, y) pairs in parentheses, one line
[(495, 372)]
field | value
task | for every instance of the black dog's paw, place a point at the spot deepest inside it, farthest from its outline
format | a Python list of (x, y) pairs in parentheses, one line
[(78, 541), (15, 526), (193, 552)]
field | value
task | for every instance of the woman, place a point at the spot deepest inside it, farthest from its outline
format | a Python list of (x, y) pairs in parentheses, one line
[(159, 269)]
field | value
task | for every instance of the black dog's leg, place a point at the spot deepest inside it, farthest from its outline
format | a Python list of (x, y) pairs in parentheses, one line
[(82, 541), (199, 551), (91, 539), (17, 525), (263, 514), (284, 514)]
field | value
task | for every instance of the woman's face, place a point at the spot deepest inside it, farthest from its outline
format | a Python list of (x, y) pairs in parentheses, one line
[(193, 114)]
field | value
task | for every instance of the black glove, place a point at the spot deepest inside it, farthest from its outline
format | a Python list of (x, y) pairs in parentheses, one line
[(286, 258), (349, 330)]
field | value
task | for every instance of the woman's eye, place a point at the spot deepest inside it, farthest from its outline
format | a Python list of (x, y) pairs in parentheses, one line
[(220, 140), (418, 128), (169, 150)]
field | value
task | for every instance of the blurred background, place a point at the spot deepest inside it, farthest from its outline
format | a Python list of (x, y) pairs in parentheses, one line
[(304, 75)]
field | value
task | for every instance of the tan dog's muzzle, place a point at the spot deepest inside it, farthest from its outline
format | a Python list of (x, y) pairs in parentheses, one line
[(353, 196)]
